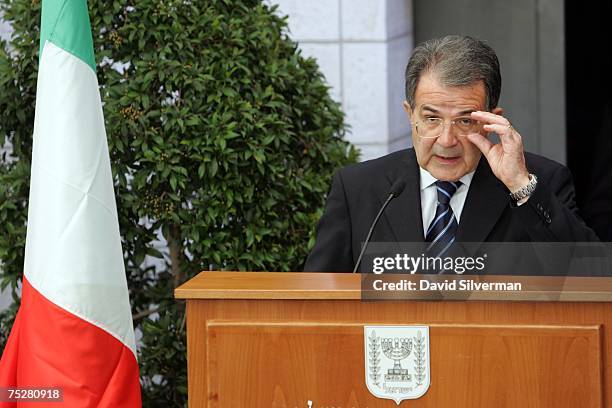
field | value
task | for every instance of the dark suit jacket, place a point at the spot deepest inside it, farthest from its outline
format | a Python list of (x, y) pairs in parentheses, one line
[(358, 191)]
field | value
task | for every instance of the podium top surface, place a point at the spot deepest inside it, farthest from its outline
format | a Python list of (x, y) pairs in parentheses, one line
[(348, 286), (271, 285)]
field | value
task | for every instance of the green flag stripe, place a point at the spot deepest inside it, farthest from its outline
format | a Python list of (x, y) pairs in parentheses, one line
[(65, 23)]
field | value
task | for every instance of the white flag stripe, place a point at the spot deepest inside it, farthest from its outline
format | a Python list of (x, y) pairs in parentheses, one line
[(72, 218)]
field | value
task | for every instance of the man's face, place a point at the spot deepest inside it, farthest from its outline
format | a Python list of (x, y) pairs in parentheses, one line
[(449, 156)]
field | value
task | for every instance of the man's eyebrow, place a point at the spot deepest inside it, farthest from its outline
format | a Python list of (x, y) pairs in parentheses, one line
[(434, 110), (467, 112), (429, 108)]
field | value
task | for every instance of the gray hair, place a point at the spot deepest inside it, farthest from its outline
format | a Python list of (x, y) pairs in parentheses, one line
[(456, 61)]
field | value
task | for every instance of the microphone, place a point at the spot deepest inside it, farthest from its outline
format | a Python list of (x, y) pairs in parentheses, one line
[(395, 190)]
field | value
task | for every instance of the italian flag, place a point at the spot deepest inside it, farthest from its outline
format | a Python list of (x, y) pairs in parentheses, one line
[(74, 327)]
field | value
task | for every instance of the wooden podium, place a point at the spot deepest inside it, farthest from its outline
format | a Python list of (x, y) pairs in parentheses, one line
[(260, 339)]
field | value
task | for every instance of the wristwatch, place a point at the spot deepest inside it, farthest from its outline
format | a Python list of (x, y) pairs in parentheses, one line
[(526, 190)]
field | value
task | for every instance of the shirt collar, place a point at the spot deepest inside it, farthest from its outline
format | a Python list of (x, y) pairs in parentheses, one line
[(427, 179)]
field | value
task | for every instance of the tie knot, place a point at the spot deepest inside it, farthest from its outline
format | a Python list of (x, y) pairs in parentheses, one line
[(446, 189)]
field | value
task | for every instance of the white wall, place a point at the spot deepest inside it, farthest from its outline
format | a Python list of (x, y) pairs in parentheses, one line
[(5, 299), (5, 29), (362, 47)]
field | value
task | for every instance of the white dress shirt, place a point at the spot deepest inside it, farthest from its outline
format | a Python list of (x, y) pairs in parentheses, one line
[(429, 196)]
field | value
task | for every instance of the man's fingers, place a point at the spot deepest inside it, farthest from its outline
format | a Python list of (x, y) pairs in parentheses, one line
[(489, 117), (481, 142), (506, 132)]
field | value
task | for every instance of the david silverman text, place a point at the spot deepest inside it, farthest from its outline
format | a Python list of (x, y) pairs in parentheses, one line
[(459, 284)]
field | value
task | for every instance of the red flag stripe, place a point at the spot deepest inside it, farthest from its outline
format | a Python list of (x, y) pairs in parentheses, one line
[(51, 347)]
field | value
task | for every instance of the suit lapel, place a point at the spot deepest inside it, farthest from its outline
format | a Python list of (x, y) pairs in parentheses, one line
[(485, 202), (403, 215)]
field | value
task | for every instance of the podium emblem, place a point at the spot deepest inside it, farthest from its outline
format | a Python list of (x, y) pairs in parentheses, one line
[(397, 361)]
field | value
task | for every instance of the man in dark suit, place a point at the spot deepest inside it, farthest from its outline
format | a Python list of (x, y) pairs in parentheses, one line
[(459, 186)]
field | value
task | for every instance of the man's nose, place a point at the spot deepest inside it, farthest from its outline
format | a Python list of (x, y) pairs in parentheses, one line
[(447, 138)]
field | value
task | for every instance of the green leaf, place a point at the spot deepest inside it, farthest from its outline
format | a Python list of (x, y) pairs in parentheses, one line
[(193, 121), (259, 156), (214, 166)]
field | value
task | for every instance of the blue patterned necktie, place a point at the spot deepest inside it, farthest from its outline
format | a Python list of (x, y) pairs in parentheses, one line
[(441, 232)]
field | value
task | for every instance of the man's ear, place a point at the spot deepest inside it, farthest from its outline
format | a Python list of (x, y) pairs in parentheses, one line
[(407, 109), (498, 111)]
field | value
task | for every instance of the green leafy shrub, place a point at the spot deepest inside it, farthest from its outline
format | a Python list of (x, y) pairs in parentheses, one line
[(223, 139)]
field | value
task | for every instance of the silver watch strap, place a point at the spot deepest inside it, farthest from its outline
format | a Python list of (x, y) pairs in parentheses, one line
[(526, 190)]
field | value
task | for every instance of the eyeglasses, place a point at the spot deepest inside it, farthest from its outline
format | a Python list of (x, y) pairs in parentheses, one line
[(433, 127)]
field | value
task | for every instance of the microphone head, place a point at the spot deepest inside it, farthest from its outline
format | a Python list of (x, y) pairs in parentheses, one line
[(397, 187)]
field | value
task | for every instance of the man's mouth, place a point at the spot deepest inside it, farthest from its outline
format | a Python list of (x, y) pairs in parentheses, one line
[(446, 159)]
